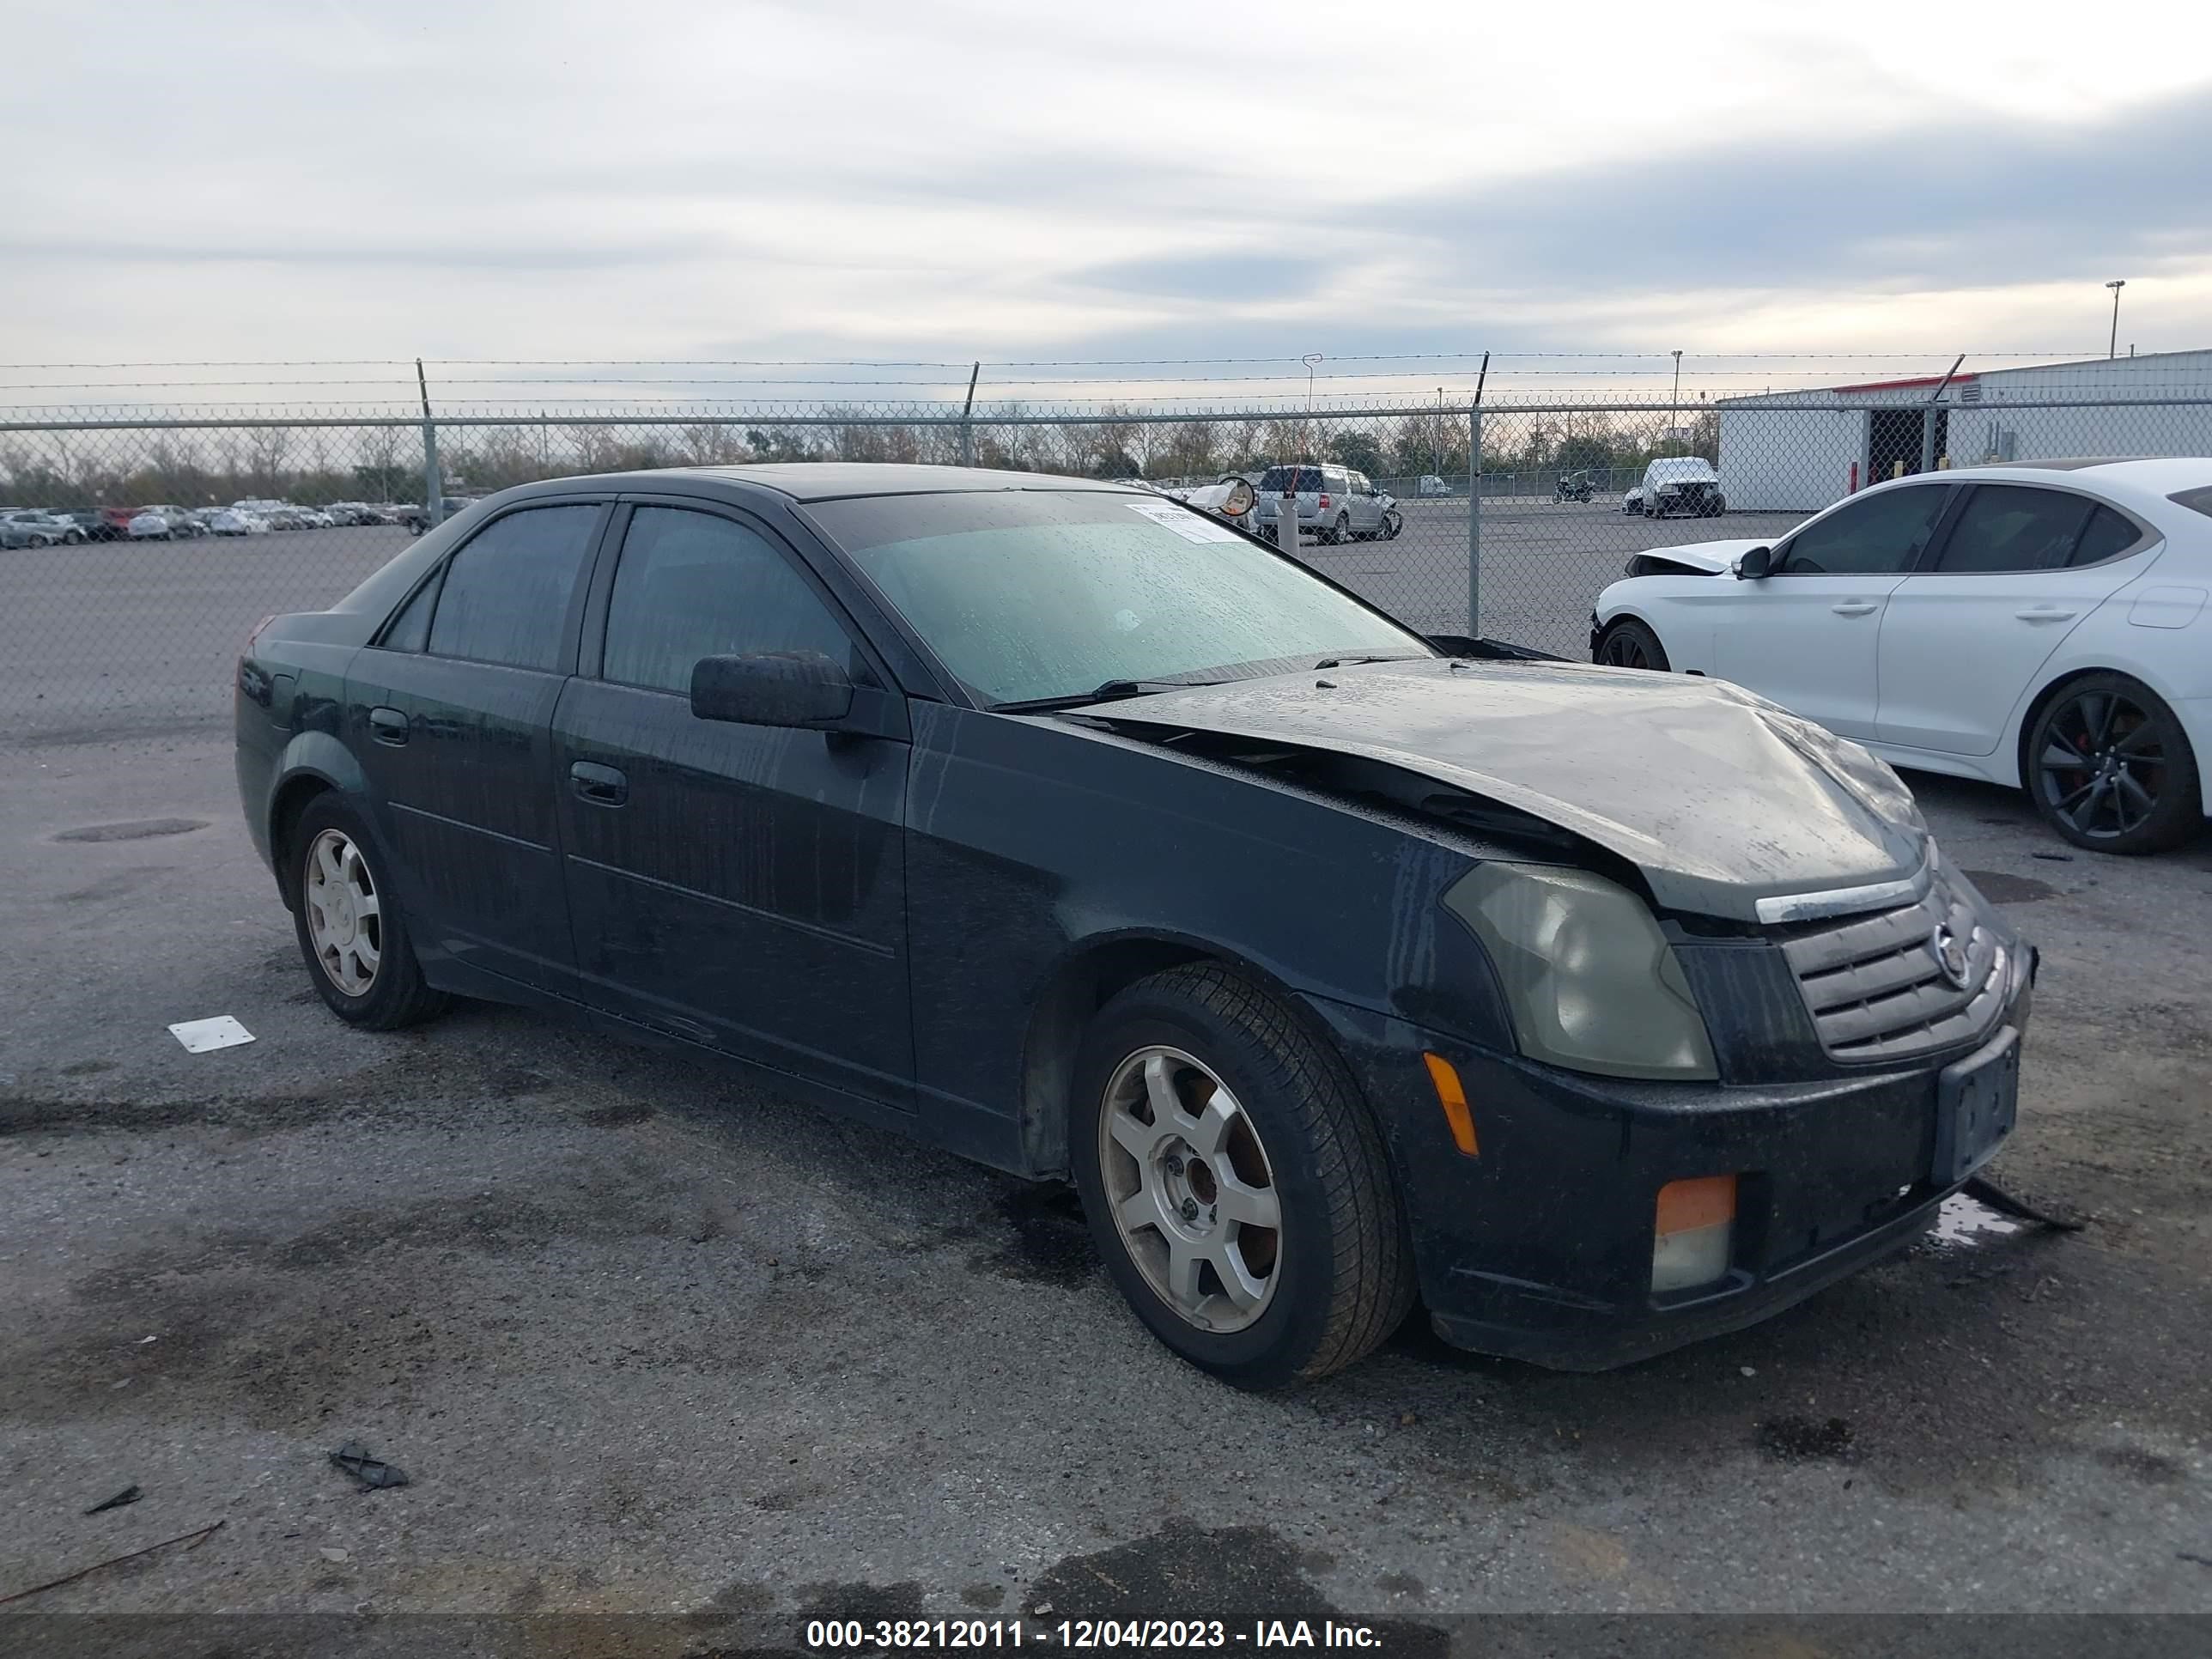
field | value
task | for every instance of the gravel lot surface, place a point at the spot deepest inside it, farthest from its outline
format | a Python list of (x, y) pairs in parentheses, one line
[(646, 1339)]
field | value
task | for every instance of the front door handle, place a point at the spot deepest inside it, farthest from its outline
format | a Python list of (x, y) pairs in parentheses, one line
[(602, 786), (1855, 608), (387, 726), (2042, 613)]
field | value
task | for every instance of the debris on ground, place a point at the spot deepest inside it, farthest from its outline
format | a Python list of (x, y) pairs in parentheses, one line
[(373, 1474), (128, 1495), (199, 1035), (1961, 1219), (2004, 1203), (331, 1552), (190, 1541)]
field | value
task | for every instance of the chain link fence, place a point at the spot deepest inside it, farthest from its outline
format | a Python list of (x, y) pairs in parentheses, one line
[(121, 617)]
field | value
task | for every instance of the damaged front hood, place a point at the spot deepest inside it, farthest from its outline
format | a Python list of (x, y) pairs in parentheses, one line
[(1719, 798), (1713, 558)]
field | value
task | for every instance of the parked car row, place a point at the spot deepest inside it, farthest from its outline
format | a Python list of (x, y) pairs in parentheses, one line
[(33, 527)]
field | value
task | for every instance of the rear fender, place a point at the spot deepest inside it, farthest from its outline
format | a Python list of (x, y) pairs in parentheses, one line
[(311, 762)]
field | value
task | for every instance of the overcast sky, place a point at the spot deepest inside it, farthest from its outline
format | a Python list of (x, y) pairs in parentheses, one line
[(957, 178)]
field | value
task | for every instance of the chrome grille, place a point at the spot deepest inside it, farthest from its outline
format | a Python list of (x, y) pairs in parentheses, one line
[(1877, 990)]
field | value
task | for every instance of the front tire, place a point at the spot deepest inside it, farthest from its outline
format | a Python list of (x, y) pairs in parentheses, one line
[(1235, 1181), (2110, 769), (1630, 643), (349, 924)]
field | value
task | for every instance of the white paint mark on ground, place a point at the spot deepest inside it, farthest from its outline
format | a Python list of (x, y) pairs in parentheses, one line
[(1963, 1220)]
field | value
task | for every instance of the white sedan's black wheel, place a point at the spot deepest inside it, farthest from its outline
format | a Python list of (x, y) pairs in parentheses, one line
[(1630, 643), (2111, 769), (1235, 1180)]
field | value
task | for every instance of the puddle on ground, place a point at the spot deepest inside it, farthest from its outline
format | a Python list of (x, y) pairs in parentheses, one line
[(134, 829), (1999, 888)]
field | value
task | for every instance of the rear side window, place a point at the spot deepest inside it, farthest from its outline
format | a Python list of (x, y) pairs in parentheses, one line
[(691, 584), (507, 592), (2107, 534), (410, 629), (2197, 501), (2015, 527), (1881, 535)]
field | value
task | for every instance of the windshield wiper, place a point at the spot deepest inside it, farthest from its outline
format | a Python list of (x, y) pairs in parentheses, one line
[(1111, 691), (1347, 662)]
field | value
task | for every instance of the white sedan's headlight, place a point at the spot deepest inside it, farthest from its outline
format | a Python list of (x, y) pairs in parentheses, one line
[(1590, 980)]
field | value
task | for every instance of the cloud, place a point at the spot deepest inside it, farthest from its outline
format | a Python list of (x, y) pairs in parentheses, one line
[(1217, 276), (1955, 203)]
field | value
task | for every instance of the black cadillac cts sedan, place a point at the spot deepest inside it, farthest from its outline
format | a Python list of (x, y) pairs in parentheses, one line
[(1069, 828)]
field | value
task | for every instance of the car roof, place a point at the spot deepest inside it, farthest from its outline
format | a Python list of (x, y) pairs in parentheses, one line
[(2162, 473), (2143, 483), (823, 481)]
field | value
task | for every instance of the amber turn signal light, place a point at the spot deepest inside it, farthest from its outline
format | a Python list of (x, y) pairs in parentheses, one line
[(1451, 1094)]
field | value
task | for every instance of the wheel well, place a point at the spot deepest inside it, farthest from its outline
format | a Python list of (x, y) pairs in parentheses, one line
[(283, 817)]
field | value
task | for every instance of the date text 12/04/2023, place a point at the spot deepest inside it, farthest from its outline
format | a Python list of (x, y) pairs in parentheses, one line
[(848, 1635)]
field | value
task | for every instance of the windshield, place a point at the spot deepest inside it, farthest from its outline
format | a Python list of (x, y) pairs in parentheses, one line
[(1029, 593)]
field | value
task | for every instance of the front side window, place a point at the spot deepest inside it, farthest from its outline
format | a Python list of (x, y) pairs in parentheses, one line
[(507, 591), (1881, 535), (1032, 593), (2014, 527), (692, 585)]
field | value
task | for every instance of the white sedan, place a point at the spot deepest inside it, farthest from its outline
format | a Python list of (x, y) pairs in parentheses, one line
[(2043, 625)]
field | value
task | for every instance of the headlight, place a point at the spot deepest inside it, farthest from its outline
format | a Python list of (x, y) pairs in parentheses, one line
[(1590, 980)]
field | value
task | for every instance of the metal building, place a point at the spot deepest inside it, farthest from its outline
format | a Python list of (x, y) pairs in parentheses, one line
[(1800, 450)]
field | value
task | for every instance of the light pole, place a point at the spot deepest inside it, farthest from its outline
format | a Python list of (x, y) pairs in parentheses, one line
[(2113, 349), (1437, 438), (1674, 409)]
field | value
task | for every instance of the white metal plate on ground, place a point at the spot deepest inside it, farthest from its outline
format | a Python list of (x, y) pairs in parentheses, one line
[(198, 1035)]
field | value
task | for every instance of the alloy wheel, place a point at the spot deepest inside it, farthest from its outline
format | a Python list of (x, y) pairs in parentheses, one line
[(1624, 648), (2103, 766), (1191, 1189), (345, 916)]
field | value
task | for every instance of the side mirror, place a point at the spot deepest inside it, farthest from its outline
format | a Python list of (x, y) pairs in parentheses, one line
[(797, 688), (1238, 501), (1755, 565)]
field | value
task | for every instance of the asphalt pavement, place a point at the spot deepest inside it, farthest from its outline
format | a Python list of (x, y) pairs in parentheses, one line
[(650, 1340)]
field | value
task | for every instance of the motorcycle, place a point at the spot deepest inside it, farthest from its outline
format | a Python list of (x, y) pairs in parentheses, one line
[(1573, 486)]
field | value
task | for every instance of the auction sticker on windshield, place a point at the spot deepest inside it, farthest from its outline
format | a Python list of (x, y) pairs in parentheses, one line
[(1191, 526)]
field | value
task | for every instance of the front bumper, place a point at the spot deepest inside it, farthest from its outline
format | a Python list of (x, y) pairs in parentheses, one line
[(1539, 1248)]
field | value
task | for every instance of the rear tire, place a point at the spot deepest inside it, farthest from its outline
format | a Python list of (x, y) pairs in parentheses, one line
[(1222, 1148), (349, 923), (1630, 643), (2110, 768)]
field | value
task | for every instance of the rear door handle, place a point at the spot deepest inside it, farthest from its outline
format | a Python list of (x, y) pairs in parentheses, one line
[(2044, 613), (1855, 608), (602, 786), (388, 725)]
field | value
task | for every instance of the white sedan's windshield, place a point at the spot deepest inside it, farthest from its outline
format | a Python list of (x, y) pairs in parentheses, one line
[(1031, 593)]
